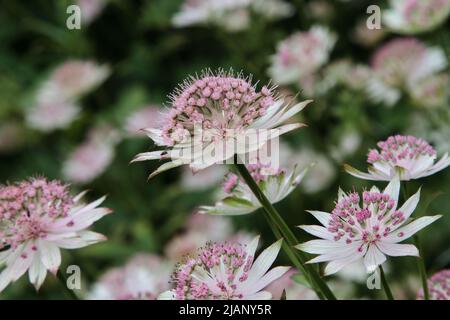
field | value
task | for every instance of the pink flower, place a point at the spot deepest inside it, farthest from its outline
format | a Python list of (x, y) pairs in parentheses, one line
[(90, 9), (406, 156), (438, 286), (226, 271), (214, 117), (92, 157), (144, 277), (38, 218), (293, 290), (416, 16), (11, 136), (368, 232)]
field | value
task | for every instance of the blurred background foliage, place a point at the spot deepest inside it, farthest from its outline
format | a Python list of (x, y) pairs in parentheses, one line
[(148, 57)]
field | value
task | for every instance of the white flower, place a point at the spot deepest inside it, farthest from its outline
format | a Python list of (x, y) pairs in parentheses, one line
[(438, 286), (405, 156), (38, 217), (216, 117), (144, 277), (232, 15), (90, 159), (401, 63), (301, 55), (225, 271), (366, 233), (91, 9), (276, 184), (146, 117), (416, 16), (48, 116)]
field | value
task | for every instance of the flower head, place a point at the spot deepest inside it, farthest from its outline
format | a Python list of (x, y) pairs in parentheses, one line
[(225, 271), (406, 156), (90, 9), (216, 116), (232, 15), (301, 55), (52, 115), (91, 158), (38, 218), (72, 79), (148, 116), (144, 277), (415, 16), (275, 183), (438, 286), (399, 64), (365, 227)]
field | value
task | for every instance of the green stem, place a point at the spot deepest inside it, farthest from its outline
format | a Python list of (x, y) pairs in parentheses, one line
[(420, 258), (385, 285), (273, 218), (63, 281), (422, 268)]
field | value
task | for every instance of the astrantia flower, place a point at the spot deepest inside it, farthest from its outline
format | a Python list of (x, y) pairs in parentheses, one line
[(301, 55), (406, 156), (399, 64), (72, 79), (366, 227), (345, 72), (232, 15), (38, 217), (225, 271), (217, 116), (144, 277), (12, 136), (431, 91), (48, 116), (415, 16), (55, 104), (438, 286), (90, 159), (275, 183)]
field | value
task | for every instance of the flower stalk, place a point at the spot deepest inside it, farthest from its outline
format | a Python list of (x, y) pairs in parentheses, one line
[(279, 227), (385, 285)]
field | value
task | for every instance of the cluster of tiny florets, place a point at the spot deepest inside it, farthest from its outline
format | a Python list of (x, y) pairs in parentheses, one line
[(438, 286), (398, 148), (218, 102), (397, 59), (227, 265), (26, 207), (369, 223)]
